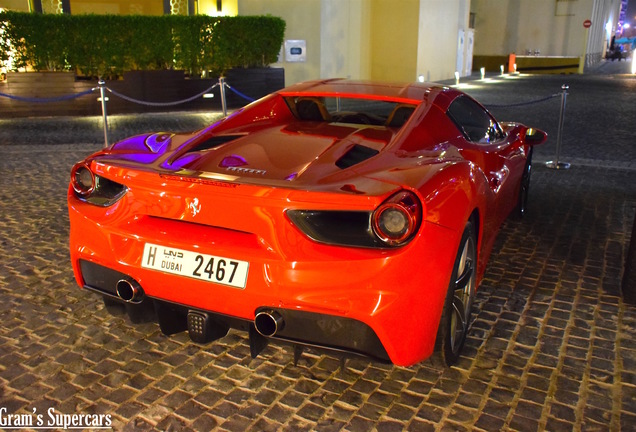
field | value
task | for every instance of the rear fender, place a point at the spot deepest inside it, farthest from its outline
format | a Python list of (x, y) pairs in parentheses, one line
[(457, 193)]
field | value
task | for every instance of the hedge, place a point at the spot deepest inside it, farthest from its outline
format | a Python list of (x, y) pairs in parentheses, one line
[(107, 45)]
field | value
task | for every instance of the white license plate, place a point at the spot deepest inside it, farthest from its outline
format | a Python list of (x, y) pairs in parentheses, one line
[(210, 268)]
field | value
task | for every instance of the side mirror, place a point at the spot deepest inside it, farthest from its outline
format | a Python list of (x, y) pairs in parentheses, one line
[(535, 136)]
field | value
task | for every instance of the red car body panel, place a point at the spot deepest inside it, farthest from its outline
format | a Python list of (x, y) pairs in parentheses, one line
[(231, 200)]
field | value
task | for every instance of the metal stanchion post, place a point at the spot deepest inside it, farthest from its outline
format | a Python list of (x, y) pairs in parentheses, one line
[(555, 164), (102, 96), (222, 90)]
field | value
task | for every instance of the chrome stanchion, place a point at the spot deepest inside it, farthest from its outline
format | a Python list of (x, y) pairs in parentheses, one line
[(555, 164), (222, 90), (102, 97)]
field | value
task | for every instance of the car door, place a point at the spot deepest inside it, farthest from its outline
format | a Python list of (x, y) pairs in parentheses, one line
[(500, 155)]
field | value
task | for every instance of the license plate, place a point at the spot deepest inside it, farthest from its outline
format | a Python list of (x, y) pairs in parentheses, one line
[(210, 268)]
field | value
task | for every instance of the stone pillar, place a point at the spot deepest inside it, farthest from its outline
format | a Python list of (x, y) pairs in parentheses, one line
[(179, 7), (36, 6), (52, 6)]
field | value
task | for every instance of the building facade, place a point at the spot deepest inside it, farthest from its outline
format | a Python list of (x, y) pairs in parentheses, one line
[(550, 28), (125, 7), (389, 40), (399, 40)]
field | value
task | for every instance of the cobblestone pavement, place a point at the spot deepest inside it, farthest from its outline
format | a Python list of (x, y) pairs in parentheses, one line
[(551, 347)]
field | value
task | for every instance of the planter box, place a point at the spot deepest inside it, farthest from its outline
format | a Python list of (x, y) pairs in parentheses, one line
[(146, 86)]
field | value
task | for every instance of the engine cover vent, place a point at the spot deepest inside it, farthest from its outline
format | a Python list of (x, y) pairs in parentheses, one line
[(213, 142), (356, 154)]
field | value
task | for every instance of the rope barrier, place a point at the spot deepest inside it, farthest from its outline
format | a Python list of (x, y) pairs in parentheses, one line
[(161, 104), (190, 99), (102, 87), (525, 103), (238, 93), (49, 99)]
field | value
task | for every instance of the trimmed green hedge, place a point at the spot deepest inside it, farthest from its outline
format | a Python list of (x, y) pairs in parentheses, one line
[(108, 45)]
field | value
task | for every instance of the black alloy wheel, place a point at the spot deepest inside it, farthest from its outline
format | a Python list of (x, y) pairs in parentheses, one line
[(455, 321)]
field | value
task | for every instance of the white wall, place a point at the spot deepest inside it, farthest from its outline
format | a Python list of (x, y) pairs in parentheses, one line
[(554, 28), (15, 5), (393, 39), (303, 21), (344, 39), (604, 22), (439, 25), (389, 40)]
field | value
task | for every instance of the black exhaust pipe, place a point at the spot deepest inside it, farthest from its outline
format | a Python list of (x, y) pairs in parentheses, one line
[(268, 322), (129, 291)]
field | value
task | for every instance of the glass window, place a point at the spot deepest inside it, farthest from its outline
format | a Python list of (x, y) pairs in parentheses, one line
[(473, 121), (351, 110)]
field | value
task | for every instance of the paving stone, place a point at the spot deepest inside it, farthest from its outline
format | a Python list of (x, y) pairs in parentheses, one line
[(238, 396), (488, 422), (420, 425), (551, 345), (266, 425), (525, 424), (311, 412), (172, 423), (190, 411), (371, 411), (279, 413), (330, 425), (389, 426), (401, 413), (253, 411), (150, 396), (558, 425), (431, 413)]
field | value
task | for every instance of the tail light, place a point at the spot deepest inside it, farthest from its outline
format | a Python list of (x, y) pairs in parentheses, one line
[(94, 189), (82, 179), (392, 224), (397, 219)]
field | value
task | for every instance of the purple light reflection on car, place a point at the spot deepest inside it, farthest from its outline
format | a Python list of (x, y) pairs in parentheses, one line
[(233, 161)]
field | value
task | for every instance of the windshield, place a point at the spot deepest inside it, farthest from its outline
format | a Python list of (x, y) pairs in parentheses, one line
[(350, 110)]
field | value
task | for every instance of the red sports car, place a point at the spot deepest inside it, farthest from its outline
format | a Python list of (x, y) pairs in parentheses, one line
[(347, 215)]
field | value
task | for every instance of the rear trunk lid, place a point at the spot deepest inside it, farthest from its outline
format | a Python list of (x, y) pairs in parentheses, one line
[(300, 153)]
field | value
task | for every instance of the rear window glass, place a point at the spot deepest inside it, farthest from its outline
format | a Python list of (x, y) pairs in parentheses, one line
[(350, 110)]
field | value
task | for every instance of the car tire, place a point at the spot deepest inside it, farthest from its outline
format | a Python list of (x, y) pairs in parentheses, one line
[(524, 187), (455, 321)]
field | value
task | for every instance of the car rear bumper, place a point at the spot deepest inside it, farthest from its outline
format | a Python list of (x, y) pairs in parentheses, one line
[(293, 326), (385, 304)]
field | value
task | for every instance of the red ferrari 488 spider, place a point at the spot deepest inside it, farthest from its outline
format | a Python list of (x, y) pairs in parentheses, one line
[(346, 215)]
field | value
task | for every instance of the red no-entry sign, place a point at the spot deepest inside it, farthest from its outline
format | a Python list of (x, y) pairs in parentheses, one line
[(587, 23)]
